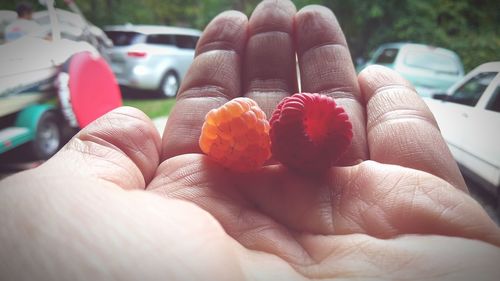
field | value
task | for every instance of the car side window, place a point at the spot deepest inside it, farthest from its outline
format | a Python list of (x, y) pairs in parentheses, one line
[(186, 41), (494, 103), (160, 39), (470, 92), (123, 38), (387, 56)]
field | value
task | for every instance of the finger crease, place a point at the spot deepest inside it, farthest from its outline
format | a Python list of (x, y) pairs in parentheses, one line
[(340, 93), (403, 114), (209, 91), (271, 33), (389, 87), (326, 44), (219, 45)]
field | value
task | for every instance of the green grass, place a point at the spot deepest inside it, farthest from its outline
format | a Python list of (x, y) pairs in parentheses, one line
[(152, 107)]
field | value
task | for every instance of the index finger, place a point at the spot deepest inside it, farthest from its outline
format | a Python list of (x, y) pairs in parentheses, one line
[(213, 78)]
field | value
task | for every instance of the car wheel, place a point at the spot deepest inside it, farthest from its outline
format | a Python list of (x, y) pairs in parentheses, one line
[(47, 136), (169, 85)]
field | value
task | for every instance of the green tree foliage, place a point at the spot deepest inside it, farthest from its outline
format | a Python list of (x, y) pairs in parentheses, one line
[(466, 26), (469, 27)]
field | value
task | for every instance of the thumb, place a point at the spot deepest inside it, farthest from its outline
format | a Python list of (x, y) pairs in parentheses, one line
[(121, 147)]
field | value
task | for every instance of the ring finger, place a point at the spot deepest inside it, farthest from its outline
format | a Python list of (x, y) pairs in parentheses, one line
[(326, 67)]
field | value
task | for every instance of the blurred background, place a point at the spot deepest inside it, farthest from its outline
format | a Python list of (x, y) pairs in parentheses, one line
[(468, 27)]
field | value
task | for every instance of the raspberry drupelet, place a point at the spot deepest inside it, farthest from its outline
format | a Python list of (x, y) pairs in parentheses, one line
[(309, 132), (236, 135)]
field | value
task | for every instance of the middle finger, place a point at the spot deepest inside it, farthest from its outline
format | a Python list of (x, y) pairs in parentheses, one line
[(269, 64)]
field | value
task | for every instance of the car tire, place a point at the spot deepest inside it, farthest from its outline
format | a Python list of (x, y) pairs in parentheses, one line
[(169, 85), (48, 136)]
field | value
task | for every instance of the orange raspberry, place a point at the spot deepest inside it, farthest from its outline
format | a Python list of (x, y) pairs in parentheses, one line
[(236, 135)]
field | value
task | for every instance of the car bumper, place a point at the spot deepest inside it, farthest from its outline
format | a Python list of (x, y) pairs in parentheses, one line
[(137, 76)]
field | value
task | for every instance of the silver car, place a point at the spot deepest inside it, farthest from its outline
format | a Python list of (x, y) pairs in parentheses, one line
[(151, 57)]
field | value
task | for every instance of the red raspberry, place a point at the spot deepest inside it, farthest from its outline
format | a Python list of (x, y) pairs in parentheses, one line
[(236, 135), (309, 132)]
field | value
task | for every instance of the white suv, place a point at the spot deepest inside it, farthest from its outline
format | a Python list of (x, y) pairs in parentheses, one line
[(151, 57)]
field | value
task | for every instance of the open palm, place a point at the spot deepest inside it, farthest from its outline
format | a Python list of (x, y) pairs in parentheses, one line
[(397, 178)]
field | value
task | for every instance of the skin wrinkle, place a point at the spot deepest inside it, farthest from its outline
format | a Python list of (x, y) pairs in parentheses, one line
[(418, 191), (341, 95), (448, 208), (381, 195), (444, 203), (251, 230), (213, 92), (221, 69), (383, 260), (410, 150), (399, 115), (325, 71), (146, 141), (175, 178), (138, 156), (322, 77), (186, 178), (224, 34), (278, 13), (132, 148), (224, 69), (285, 58), (94, 150), (271, 34), (313, 20), (200, 200), (390, 88), (316, 260), (293, 258), (329, 211), (342, 215), (223, 46), (269, 85), (397, 99), (334, 254)]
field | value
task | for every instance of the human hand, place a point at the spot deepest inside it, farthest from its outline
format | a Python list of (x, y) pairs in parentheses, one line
[(398, 179)]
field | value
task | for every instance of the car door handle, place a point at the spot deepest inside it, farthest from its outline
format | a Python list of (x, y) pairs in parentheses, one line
[(465, 115)]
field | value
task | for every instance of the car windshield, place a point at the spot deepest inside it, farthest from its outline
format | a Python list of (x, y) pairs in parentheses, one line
[(387, 56), (433, 61), (160, 39), (124, 38), (470, 92)]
